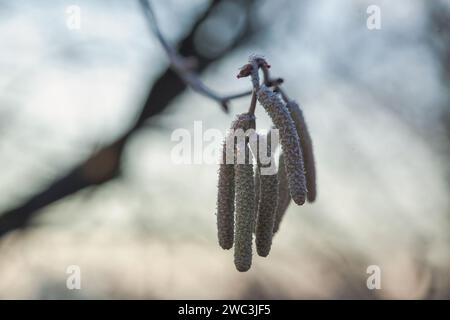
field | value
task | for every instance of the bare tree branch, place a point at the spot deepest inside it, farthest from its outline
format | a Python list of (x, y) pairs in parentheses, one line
[(104, 165), (184, 67)]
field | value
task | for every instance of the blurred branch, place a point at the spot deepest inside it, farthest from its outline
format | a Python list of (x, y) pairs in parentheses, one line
[(183, 66), (104, 165)]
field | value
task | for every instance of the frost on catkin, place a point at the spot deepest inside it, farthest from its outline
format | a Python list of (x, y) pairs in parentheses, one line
[(266, 207), (283, 197), (307, 148), (290, 143), (245, 209), (226, 187)]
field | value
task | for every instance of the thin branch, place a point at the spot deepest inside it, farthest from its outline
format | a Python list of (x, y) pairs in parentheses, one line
[(184, 66), (238, 95), (104, 166)]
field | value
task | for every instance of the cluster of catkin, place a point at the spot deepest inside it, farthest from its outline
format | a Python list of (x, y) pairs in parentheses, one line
[(252, 199)]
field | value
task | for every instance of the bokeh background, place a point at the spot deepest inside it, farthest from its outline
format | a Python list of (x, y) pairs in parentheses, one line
[(86, 173)]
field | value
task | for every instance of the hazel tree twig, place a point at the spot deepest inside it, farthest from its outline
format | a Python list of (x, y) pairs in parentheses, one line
[(183, 66)]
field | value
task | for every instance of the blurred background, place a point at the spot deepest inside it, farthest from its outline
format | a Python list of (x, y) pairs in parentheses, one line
[(87, 179)]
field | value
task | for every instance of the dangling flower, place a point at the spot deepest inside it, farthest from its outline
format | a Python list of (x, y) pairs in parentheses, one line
[(267, 200)]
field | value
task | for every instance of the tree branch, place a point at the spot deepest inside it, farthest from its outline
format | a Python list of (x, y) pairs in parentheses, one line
[(184, 67), (104, 165)]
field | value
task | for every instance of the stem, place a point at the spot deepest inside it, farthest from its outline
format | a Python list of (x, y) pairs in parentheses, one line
[(181, 64), (252, 108)]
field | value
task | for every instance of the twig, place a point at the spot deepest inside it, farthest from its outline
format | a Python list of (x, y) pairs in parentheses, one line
[(184, 66), (273, 82)]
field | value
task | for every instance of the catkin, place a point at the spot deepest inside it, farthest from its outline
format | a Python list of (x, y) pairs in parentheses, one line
[(226, 187), (257, 186), (290, 143), (245, 207), (283, 198), (307, 148), (245, 204), (225, 204), (266, 207)]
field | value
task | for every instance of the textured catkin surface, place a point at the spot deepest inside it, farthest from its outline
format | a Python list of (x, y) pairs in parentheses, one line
[(226, 184), (266, 214), (257, 186), (245, 211), (225, 204), (283, 196), (267, 201), (290, 143), (307, 148), (245, 203)]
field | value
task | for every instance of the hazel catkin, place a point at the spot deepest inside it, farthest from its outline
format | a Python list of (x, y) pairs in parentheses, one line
[(225, 205), (267, 205), (257, 186), (290, 143), (306, 146), (226, 184), (283, 196), (245, 206)]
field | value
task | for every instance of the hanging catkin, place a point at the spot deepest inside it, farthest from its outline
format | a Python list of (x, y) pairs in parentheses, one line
[(226, 188), (284, 198), (257, 186), (225, 203), (290, 143), (267, 203), (260, 197), (307, 148), (245, 203)]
